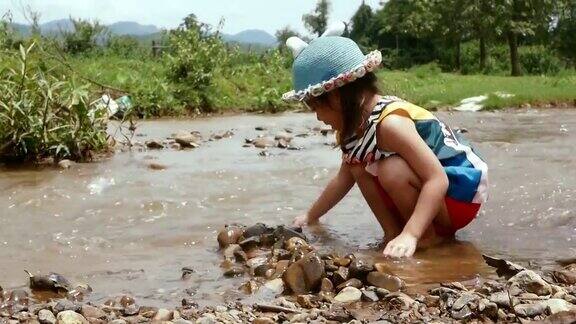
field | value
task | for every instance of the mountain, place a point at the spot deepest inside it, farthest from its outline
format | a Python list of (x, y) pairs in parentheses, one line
[(251, 36), (132, 28)]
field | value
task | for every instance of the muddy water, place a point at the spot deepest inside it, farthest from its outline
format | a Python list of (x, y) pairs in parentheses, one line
[(125, 228)]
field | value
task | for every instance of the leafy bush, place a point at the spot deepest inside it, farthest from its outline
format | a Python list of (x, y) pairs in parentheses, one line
[(194, 55), (44, 112), (539, 60), (124, 46), (426, 70)]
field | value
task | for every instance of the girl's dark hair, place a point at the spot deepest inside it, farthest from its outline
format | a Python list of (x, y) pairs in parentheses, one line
[(350, 100)]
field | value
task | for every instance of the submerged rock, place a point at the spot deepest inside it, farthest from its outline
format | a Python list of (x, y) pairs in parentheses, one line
[(384, 280), (154, 145)]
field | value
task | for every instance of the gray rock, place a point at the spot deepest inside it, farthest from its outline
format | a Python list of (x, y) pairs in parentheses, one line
[(369, 296), (501, 299), (264, 142), (207, 319), (276, 285), (529, 310), (488, 308), (46, 317), (187, 140), (530, 281), (91, 311), (348, 295), (556, 305), (359, 268), (70, 317), (401, 300), (162, 315), (462, 313), (464, 300)]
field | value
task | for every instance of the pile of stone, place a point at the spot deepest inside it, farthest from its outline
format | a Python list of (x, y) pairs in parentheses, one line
[(280, 261)]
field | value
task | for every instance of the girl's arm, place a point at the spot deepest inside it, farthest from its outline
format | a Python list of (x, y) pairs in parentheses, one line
[(336, 189), (397, 133)]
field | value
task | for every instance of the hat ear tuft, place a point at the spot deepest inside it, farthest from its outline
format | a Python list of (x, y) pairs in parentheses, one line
[(336, 29), (296, 45)]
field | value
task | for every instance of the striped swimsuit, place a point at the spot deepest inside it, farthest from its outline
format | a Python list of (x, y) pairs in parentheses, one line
[(467, 172)]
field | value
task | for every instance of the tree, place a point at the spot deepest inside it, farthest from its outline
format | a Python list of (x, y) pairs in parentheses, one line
[(317, 21), (362, 25), (520, 18), (565, 31), (84, 37), (282, 36)]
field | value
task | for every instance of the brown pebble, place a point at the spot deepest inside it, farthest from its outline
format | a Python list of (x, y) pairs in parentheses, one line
[(350, 283), (384, 280), (326, 285), (341, 275), (264, 320), (342, 262)]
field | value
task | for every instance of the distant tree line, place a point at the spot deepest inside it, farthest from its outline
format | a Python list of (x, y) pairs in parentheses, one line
[(462, 35)]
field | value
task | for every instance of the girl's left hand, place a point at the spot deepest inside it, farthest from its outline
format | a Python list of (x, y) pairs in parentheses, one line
[(402, 245)]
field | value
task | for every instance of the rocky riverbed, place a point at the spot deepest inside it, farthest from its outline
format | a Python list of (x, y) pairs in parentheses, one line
[(295, 283)]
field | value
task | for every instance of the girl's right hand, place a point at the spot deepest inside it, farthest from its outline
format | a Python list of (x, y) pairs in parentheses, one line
[(302, 220)]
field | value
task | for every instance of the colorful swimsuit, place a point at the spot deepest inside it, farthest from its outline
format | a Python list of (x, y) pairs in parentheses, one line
[(467, 172)]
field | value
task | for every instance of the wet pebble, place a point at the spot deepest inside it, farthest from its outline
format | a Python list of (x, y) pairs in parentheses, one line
[(264, 142), (360, 267), (230, 234), (348, 295), (70, 317), (326, 285), (235, 271), (154, 145)]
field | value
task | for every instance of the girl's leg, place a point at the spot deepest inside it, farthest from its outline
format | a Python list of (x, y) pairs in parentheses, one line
[(403, 185), (389, 223)]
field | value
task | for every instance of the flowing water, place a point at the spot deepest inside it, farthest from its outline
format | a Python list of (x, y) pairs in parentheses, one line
[(125, 228)]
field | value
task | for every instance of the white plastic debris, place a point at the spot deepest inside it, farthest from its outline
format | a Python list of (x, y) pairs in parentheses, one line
[(472, 103), (504, 95)]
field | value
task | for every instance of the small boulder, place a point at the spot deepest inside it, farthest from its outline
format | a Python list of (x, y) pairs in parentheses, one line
[(234, 271), (348, 295), (305, 275)]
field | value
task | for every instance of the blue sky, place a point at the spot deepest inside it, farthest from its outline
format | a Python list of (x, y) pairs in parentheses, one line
[(268, 15)]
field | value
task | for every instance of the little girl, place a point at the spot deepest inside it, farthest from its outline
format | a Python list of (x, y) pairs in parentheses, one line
[(422, 181)]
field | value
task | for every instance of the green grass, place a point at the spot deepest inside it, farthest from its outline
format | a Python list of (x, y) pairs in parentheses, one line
[(441, 90), (257, 87)]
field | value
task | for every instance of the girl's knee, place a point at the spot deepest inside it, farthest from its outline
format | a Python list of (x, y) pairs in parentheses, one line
[(394, 172)]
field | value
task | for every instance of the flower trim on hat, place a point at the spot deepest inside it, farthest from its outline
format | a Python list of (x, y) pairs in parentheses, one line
[(371, 63)]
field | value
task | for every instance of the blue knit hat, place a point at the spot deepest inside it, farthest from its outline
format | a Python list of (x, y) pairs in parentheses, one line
[(327, 63)]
